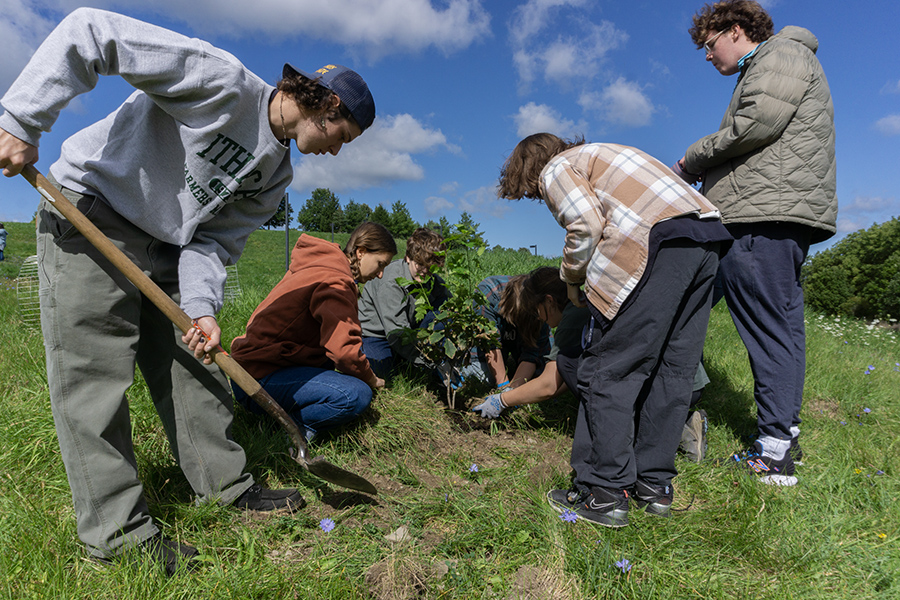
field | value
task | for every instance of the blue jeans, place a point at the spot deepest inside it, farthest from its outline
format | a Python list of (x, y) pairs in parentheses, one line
[(317, 399), (381, 357)]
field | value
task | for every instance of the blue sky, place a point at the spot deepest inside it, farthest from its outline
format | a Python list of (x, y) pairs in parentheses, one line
[(457, 83)]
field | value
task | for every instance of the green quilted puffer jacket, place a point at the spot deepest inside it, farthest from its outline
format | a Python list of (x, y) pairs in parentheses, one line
[(773, 156)]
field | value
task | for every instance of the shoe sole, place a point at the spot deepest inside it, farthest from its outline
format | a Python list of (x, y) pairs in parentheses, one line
[(780, 480)]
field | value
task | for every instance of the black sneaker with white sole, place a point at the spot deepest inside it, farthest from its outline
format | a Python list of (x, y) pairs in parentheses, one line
[(602, 506), (796, 451), (770, 471), (656, 499)]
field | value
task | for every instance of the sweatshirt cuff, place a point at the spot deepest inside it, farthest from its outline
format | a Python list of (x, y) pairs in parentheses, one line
[(199, 308), (13, 126)]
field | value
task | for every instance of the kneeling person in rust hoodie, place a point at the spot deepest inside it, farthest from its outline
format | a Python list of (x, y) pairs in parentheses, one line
[(308, 326)]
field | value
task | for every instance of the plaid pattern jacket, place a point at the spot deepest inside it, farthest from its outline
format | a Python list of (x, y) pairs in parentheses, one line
[(608, 197)]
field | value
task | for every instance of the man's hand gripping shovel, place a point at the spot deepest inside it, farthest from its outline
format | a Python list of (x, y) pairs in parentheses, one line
[(318, 466)]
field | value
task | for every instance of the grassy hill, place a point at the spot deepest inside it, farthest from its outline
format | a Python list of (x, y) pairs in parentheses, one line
[(487, 533)]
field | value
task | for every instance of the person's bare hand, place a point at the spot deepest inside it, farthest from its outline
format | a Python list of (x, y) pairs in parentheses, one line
[(203, 338), (15, 154), (575, 295)]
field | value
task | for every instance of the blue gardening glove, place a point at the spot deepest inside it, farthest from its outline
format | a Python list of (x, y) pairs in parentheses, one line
[(688, 178), (491, 407)]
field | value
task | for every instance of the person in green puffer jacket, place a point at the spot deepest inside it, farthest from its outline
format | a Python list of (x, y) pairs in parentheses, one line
[(770, 169)]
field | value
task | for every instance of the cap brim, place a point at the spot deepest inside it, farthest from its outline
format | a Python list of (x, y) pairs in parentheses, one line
[(290, 69)]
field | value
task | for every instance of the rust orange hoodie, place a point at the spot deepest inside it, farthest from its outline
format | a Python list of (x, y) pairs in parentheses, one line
[(308, 318)]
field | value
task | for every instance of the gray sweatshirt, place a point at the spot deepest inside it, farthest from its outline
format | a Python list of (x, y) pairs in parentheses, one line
[(189, 157)]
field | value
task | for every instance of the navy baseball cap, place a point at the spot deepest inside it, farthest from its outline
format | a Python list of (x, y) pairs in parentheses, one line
[(349, 87)]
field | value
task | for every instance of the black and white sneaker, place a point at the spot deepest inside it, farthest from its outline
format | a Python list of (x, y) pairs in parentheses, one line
[(769, 470), (601, 506), (657, 499), (795, 451)]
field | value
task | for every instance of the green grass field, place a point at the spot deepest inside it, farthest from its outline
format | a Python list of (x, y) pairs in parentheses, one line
[(458, 533)]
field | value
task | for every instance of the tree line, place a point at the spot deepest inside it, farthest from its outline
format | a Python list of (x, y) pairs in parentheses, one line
[(323, 211)]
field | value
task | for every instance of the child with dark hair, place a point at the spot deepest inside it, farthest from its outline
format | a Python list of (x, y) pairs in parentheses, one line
[(386, 307), (524, 339), (307, 327), (645, 247)]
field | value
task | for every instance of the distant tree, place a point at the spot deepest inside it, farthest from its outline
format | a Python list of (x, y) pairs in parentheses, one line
[(382, 216), (442, 226), (277, 219), (467, 223), (354, 214), (859, 276), (402, 224), (320, 211)]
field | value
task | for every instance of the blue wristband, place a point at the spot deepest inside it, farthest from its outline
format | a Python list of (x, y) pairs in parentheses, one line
[(504, 384)]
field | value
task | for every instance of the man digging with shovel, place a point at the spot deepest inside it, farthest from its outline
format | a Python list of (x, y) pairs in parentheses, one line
[(177, 177)]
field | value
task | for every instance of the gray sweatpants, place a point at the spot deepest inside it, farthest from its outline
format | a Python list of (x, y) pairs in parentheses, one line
[(96, 326)]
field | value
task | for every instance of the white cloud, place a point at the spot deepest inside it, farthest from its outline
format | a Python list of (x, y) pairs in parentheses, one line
[(380, 156), (484, 201), (863, 211), (563, 60), (621, 103), (436, 205), (892, 87), (537, 118), (480, 201), (889, 125), (380, 28), (22, 30)]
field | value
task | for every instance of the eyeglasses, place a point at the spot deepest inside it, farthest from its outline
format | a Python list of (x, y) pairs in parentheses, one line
[(708, 46)]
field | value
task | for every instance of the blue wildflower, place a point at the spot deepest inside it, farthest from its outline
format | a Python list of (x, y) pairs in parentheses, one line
[(326, 525), (568, 516), (843, 422), (624, 565), (473, 468), (867, 410)]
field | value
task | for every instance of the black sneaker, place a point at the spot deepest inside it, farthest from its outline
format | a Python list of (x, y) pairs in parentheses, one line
[(795, 451), (170, 554), (603, 506), (693, 436), (563, 500), (263, 499), (656, 498), (769, 470)]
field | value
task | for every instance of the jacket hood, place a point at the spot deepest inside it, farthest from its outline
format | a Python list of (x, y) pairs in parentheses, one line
[(311, 252), (800, 35)]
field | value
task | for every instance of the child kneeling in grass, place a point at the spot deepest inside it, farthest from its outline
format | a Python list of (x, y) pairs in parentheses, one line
[(308, 326)]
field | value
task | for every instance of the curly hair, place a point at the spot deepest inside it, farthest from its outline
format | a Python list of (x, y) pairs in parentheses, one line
[(374, 237), (312, 97), (713, 18), (518, 310), (422, 245), (520, 174)]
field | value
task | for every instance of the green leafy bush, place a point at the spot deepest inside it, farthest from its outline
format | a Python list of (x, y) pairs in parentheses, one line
[(858, 276), (457, 327)]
